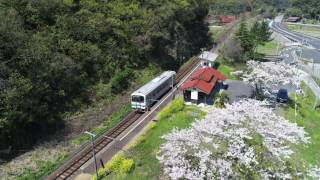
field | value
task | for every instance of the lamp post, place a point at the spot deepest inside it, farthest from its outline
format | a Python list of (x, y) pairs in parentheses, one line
[(93, 151)]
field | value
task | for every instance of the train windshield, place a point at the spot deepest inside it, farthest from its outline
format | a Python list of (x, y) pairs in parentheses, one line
[(138, 99)]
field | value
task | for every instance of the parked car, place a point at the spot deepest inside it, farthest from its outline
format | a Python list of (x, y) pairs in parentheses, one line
[(282, 96)]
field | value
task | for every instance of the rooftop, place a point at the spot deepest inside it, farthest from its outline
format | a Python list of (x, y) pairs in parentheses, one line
[(227, 19), (154, 83), (207, 55), (203, 79), (293, 19)]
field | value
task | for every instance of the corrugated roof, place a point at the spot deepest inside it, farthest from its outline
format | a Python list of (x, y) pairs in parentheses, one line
[(204, 80), (207, 73), (293, 19), (208, 56)]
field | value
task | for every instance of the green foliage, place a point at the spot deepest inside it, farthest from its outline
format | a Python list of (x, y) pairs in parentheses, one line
[(309, 119), (259, 34), (176, 106), (44, 168), (245, 37), (53, 53), (221, 99), (121, 81), (294, 12), (308, 8), (228, 6), (108, 123), (120, 165)]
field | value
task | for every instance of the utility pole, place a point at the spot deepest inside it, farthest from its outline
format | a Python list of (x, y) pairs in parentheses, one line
[(93, 151)]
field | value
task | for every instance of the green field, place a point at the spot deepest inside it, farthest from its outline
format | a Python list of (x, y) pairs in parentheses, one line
[(226, 70), (309, 30), (270, 48), (147, 167), (310, 120)]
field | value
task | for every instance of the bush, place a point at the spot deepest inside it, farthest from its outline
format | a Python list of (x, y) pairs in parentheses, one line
[(120, 165), (126, 166), (121, 81), (176, 106), (101, 173)]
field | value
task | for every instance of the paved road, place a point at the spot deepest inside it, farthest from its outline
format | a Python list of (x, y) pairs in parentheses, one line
[(289, 54), (277, 26)]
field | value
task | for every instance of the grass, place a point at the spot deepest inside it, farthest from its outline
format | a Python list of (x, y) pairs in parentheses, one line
[(309, 30), (216, 32), (270, 48), (107, 124), (147, 167), (226, 68), (310, 120), (44, 168)]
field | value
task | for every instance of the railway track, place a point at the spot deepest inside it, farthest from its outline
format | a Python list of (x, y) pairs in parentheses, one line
[(184, 71), (69, 169)]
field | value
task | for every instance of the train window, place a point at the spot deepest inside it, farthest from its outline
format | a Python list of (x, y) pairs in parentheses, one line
[(137, 99)]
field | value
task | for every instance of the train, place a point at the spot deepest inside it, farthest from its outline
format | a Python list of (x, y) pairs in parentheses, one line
[(143, 98)]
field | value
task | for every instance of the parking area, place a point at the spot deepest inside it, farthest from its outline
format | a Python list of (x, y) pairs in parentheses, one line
[(237, 90)]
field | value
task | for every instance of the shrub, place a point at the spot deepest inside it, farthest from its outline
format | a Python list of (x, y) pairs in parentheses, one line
[(101, 174), (120, 165), (121, 81), (176, 106), (126, 166)]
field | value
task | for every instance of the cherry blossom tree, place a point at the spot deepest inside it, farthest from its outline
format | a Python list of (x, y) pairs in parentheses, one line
[(272, 75), (245, 139)]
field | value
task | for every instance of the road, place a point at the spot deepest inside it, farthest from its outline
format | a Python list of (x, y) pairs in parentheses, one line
[(289, 54), (277, 26)]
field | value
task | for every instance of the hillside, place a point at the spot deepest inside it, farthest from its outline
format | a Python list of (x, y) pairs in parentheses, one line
[(56, 55)]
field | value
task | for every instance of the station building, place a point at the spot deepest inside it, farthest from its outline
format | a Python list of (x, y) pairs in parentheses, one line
[(208, 59), (203, 84)]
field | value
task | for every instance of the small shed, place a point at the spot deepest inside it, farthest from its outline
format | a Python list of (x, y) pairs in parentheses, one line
[(202, 85), (293, 19), (227, 19), (208, 59)]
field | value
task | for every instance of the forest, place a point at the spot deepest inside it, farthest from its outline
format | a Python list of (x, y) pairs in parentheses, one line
[(52, 52), (307, 8)]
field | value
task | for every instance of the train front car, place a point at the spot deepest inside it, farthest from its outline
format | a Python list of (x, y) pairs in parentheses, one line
[(138, 101), (143, 98)]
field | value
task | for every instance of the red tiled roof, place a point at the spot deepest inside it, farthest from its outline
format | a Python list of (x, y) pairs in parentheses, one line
[(293, 19), (227, 19), (207, 74), (204, 80)]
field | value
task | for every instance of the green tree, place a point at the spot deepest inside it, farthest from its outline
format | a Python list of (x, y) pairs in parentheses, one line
[(246, 39), (53, 54)]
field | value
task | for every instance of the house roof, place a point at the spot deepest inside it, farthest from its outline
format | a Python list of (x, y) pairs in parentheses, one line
[(293, 19), (204, 80), (207, 73), (208, 56), (227, 19)]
